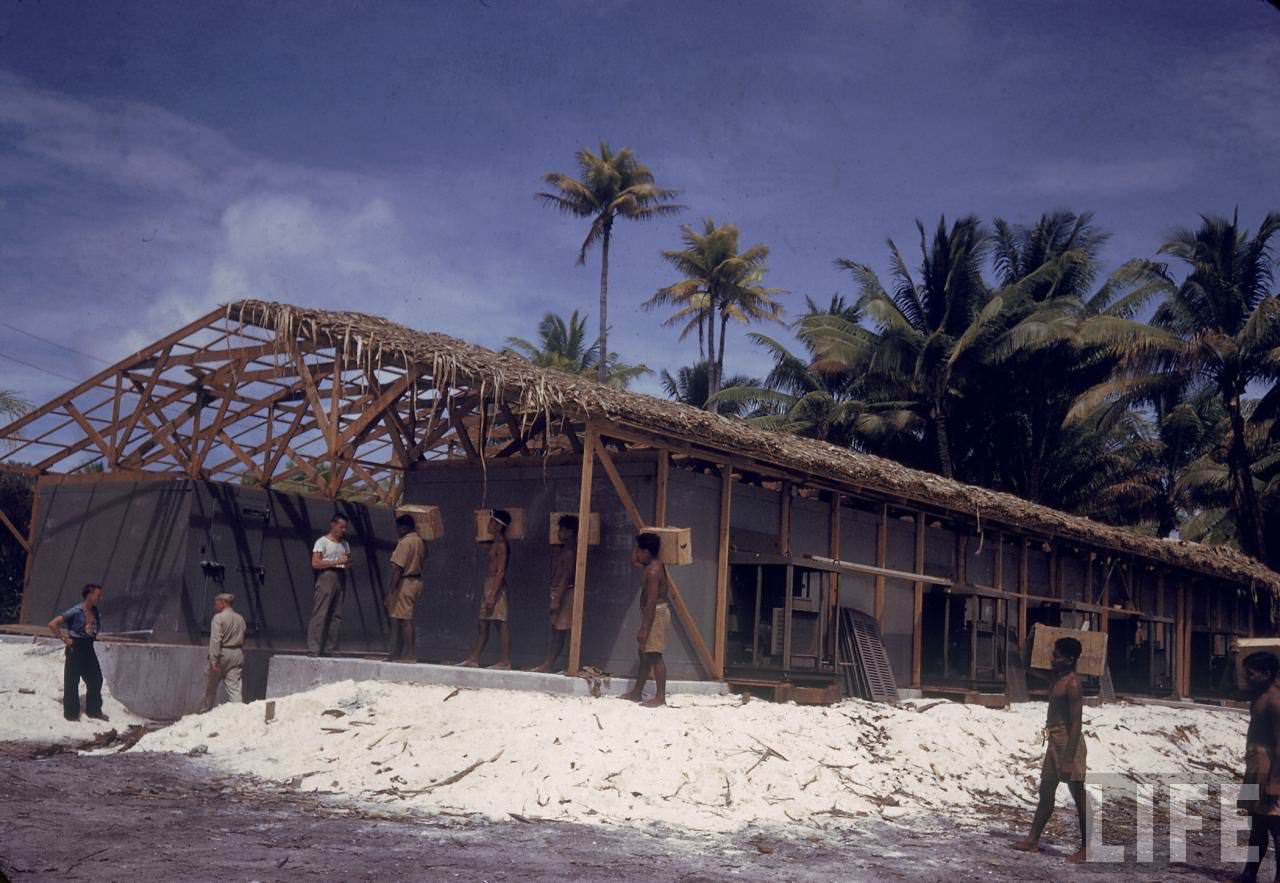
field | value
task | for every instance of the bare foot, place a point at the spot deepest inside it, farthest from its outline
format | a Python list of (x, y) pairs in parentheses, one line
[(470, 663), (1078, 857), (655, 702), (1027, 846), (631, 696), (543, 669), (500, 666)]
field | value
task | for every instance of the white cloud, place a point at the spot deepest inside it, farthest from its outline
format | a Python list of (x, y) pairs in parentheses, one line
[(1237, 87), (141, 220), (1071, 177)]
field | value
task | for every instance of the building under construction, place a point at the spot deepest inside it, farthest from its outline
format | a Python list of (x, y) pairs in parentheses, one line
[(212, 459)]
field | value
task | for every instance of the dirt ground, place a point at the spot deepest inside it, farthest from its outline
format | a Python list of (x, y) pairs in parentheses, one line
[(151, 817)]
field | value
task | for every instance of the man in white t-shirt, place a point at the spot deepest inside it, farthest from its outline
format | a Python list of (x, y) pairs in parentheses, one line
[(330, 558)]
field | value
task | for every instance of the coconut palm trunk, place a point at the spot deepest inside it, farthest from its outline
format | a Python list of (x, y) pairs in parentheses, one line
[(602, 369), (1249, 517), (942, 432)]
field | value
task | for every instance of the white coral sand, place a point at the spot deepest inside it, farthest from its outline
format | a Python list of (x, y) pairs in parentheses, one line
[(708, 764), (36, 716)]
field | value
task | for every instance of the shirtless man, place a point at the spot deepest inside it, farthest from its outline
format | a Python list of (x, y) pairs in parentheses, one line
[(1064, 757), (655, 617), (404, 585), (563, 574), (493, 604), (1262, 759)]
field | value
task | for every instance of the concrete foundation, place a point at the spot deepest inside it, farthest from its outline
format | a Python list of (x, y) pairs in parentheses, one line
[(162, 681), (294, 674)]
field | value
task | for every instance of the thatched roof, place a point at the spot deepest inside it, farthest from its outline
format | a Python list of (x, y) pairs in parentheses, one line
[(450, 360)]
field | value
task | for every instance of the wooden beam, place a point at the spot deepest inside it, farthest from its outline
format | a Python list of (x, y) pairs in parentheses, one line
[(833, 579), (107, 373), (615, 478), (722, 570), (660, 489), (17, 534), (460, 430), (917, 615), (677, 599), (373, 411), (580, 559), (107, 451), (1024, 589), (31, 545), (882, 561), (144, 401), (784, 521), (881, 572)]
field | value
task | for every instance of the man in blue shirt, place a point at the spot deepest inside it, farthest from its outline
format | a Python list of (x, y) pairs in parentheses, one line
[(81, 661)]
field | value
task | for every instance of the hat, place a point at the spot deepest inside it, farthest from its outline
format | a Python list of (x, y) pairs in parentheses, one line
[(225, 596)]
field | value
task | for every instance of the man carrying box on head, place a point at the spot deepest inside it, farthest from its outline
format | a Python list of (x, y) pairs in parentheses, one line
[(403, 589), (563, 573), (655, 618), (493, 603), (1064, 756)]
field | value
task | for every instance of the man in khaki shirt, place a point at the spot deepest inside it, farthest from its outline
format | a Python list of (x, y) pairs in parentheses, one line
[(226, 653), (403, 589)]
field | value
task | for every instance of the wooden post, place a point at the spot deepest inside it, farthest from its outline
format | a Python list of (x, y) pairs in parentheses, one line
[(722, 570), (660, 490), (31, 550), (832, 609), (917, 617), (882, 561), (584, 536), (1024, 589), (784, 520)]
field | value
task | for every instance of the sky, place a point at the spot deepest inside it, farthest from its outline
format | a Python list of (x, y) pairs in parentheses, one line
[(158, 159)]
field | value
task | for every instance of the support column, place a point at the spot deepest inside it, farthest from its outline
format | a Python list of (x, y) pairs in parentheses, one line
[(917, 617), (722, 570), (882, 561), (660, 489), (584, 536)]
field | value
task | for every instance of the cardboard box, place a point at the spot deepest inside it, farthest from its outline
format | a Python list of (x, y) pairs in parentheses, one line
[(484, 525), (677, 544), (1242, 647), (1093, 656), (427, 520), (593, 529)]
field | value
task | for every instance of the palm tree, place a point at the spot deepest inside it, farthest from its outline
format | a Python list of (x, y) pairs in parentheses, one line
[(929, 332), (1064, 339), (12, 406), (563, 345), (802, 394), (720, 284), (611, 185), (1227, 320), (691, 385)]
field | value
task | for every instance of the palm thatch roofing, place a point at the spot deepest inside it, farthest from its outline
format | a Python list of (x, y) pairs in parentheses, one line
[(449, 361)]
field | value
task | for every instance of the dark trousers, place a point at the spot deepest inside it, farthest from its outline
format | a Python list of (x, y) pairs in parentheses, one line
[(326, 613), (81, 662)]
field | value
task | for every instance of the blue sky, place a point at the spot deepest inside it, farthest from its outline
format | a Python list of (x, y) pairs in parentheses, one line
[(157, 159)]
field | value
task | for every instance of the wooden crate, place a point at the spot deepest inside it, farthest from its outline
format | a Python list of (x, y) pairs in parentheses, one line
[(427, 520), (677, 544), (1242, 647), (1093, 657), (484, 527), (593, 529)]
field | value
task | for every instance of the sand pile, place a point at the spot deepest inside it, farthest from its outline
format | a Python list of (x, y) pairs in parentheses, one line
[(37, 716), (708, 763)]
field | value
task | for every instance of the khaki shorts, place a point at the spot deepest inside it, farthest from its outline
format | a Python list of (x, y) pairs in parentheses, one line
[(499, 613), (563, 619), (657, 642), (406, 597), (1058, 767), (1255, 758)]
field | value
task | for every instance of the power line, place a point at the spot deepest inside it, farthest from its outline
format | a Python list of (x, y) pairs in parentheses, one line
[(37, 367), (53, 343)]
